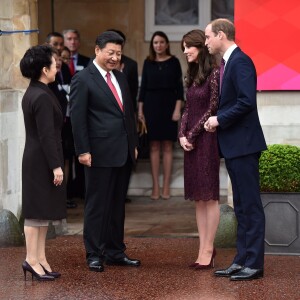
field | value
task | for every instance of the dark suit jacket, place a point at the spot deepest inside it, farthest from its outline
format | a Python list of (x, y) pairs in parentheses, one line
[(99, 125), (239, 131), (131, 71), (66, 74), (82, 61)]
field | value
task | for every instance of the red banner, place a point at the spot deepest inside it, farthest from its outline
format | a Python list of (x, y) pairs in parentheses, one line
[(268, 31)]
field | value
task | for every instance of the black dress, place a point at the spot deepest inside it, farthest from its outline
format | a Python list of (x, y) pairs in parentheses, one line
[(161, 87)]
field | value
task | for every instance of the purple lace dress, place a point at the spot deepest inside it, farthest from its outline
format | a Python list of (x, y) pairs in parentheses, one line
[(201, 165)]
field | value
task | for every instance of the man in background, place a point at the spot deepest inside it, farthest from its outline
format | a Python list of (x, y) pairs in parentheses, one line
[(61, 88), (77, 61), (130, 68)]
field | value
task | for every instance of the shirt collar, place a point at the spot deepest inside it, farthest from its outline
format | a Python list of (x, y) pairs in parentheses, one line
[(228, 52), (102, 71), (75, 56)]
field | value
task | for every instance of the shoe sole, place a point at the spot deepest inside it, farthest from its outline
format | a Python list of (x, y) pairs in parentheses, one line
[(96, 270), (246, 279), (121, 265)]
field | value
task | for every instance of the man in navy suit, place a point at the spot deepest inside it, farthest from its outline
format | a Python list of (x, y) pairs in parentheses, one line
[(241, 141), (106, 142)]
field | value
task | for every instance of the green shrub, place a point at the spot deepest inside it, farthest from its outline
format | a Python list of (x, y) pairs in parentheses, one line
[(279, 169)]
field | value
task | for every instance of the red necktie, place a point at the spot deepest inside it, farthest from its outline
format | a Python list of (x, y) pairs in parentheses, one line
[(221, 72), (113, 89), (71, 66)]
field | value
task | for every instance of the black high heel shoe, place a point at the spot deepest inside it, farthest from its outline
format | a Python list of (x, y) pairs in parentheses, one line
[(54, 274), (27, 267), (210, 265)]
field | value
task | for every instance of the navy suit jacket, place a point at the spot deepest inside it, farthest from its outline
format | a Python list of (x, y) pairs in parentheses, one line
[(239, 130), (99, 125)]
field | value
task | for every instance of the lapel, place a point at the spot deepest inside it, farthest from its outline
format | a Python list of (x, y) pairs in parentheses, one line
[(102, 84), (234, 52)]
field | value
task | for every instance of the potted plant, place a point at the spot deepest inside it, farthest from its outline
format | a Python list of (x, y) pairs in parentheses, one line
[(279, 169)]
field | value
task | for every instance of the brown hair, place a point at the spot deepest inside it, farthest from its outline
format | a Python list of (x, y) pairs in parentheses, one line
[(223, 25), (152, 54), (198, 71)]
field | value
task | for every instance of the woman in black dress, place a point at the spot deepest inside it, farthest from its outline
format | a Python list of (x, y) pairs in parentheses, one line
[(43, 188), (160, 102)]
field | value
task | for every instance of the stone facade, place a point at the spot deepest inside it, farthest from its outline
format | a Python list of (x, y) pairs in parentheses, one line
[(14, 15)]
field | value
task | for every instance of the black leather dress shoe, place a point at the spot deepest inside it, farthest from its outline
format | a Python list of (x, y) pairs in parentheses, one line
[(126, 261), (234, 268), (248, 274), (96, 266)]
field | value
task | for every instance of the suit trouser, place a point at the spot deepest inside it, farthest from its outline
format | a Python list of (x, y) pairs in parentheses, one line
[(244, 175), (104, 212)]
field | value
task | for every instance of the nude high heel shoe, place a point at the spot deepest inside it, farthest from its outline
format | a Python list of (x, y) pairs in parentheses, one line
[(210, 265)]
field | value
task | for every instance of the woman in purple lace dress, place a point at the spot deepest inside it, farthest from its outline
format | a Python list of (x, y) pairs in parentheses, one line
[(201, 157)]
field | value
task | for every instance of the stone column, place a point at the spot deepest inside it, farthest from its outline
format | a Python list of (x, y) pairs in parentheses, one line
[(14, 15)]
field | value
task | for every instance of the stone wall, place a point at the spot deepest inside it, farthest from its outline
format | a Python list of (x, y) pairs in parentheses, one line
[(14, 15)]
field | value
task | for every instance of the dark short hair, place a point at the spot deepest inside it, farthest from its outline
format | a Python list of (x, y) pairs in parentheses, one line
[(109, 37), (119, 32), (35, 59), (53, 34)]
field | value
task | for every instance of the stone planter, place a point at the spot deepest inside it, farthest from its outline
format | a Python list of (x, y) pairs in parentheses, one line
[(282, 212), (10, 232)]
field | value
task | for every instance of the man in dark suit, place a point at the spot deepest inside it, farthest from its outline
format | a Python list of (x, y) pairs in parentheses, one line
[(130, 68), (61, 88), (77, 63), (241, 141), (56, 40), (106, 141), (72, 41)]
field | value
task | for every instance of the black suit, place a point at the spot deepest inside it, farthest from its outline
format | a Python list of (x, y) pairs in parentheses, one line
[(78, 185), (102, 129), (82, 62), (66, 74), (241, 140), (130, 69)]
